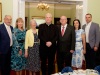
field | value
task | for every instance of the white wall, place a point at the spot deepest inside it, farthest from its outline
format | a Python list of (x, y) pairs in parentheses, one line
[(18, 10)]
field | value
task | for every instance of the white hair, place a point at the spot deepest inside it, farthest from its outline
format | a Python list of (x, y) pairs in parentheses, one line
[(48, 14), (33, 20), (63, 17)]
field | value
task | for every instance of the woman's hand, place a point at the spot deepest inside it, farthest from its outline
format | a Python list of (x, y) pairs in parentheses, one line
[(84, 51), (26, 54), (20, 52)]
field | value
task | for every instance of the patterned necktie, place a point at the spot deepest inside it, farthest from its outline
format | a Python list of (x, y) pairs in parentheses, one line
[(62, 31)]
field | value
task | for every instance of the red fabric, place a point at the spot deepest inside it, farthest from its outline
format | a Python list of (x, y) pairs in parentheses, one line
[(23, 73), (14, 73)]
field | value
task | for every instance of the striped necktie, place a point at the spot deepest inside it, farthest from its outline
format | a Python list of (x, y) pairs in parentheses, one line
[(62, 31)]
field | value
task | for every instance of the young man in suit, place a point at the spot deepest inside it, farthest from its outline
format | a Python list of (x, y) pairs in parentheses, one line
[(65, 43), (92, 41), (5, 45), (48, 37)]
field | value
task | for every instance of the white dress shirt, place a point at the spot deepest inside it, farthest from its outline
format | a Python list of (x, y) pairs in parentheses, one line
[(87, 28), (65, 26), (9, 33)]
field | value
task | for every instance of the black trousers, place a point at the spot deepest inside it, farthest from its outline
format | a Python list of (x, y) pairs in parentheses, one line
[(5, 60), (90, 57), (63, 59), (47, 54)]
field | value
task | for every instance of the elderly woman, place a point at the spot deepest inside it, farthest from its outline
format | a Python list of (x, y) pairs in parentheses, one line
[(32, 49)]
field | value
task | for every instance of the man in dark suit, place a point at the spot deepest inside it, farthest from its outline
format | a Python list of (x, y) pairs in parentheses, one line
[(5, 45), (48, 37), (92, 41), (65, 44)]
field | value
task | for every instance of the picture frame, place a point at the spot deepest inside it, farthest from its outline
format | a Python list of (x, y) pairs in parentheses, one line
[(0, 12), (39, 19)]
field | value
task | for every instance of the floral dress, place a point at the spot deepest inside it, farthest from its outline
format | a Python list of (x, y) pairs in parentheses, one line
[(18, 61), (78, 56), (33, 59)]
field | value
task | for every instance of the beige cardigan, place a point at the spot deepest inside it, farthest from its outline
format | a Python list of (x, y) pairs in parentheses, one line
[(29, 39)]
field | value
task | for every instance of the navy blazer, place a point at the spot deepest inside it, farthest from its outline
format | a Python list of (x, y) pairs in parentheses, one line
[(4, 39)]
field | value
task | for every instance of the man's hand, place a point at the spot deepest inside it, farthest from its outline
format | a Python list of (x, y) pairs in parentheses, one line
[(95, 48), (71, 51), (48, 44)]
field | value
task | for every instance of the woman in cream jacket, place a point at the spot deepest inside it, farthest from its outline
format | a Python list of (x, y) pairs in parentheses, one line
[(32, 49)]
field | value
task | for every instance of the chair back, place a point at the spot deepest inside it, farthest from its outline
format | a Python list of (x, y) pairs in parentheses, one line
[(66, 70), (97, 68)]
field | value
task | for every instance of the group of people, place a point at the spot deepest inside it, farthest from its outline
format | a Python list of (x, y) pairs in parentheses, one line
[(32, 49)]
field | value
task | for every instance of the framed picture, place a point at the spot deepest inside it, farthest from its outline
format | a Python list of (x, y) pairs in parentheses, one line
[(0, 12), (39, 20)]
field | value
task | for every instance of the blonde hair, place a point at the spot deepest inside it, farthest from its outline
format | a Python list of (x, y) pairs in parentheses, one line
[(19, 19)]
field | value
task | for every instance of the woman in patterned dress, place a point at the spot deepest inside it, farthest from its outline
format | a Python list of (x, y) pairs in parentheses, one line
[(78, 60), (32, 49), (18, 59)]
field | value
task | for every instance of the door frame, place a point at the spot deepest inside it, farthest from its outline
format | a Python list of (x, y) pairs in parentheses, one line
[(19, 10)]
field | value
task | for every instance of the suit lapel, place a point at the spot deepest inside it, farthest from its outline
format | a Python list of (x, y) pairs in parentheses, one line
[(5, 30), (90, 27), (84, 27), (60, 31), (66, 30), (11, 28)]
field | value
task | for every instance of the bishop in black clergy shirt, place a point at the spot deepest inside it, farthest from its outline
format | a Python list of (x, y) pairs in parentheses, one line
[(65, 43), (48, 38)]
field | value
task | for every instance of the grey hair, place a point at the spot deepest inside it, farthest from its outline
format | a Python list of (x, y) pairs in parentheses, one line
[(64, 17), (48, 14), (7, 15), (33, 20)]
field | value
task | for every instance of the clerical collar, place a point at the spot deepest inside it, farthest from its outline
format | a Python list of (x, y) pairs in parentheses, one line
[(48, 24)]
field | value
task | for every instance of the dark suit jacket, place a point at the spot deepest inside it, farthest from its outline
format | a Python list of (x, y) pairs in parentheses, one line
[(4, 39), (47, 33), (94, 34), (67, 41)]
